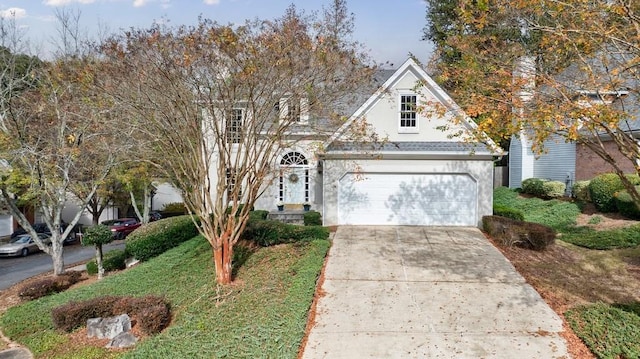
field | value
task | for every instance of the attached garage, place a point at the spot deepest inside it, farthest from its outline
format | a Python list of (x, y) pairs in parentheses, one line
[(407, 199), (402, 191)]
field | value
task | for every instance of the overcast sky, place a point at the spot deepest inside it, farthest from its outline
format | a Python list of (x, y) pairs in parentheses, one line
[(390, 29)]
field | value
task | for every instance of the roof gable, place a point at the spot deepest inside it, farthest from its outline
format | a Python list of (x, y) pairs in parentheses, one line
[(411, 77)]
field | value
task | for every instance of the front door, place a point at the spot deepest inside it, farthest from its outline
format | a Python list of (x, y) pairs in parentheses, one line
[(296, 185)]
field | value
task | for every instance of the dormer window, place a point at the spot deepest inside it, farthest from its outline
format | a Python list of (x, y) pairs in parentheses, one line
[(294, 109), (408, 113)]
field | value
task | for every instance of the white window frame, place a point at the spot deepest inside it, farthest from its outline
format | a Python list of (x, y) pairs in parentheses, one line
[(235, 127), (302, 109), (408, 129)]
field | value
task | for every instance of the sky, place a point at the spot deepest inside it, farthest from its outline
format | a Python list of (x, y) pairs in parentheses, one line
[(389, 29)]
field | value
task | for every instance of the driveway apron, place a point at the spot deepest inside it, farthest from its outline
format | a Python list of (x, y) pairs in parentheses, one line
[(427, 292)]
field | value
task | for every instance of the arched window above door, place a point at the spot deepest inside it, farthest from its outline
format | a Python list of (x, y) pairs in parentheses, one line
[(294, 159)]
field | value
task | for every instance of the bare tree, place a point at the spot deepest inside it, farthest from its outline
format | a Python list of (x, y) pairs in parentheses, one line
[(221, 102)]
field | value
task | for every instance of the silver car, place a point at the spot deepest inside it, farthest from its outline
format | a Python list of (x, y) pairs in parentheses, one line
[(22, 245)]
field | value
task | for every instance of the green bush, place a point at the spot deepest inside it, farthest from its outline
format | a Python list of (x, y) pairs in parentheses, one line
[(533, 186), (603, 187), (258, 214), (97, 235), (625, 204), (173, 209), (580, 191), (268, 233), (553, 189), (112, 261), (156, 237), (312, 218), (543, 188), (508, 212)]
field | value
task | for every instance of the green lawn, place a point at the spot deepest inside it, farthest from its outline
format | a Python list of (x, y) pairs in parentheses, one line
[(561, 216), (610, 330), (262, 315)]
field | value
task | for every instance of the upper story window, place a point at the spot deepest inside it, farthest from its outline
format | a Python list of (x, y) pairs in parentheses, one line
[(234, 125), (408, 113), (294, 109)]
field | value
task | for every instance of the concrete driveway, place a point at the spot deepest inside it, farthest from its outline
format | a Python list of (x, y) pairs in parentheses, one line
[(427, 292)]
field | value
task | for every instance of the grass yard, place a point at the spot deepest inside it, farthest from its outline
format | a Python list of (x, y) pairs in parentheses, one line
[(591, 277), (262, 315)]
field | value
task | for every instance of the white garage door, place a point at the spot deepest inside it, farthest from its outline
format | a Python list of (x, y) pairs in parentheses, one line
[(407, 199)]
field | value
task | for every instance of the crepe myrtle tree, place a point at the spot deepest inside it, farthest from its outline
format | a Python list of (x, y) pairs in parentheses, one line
[(221, 102), (548, 68)]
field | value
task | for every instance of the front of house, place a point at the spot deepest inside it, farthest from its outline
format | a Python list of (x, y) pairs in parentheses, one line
[(420, 171)]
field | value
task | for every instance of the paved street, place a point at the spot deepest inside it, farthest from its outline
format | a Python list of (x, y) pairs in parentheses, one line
[(14, 270)]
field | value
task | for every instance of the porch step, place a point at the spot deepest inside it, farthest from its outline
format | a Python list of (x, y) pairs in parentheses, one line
[(287, 216)]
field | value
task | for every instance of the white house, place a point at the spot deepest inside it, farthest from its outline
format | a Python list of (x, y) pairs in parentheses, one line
[(421, 174)]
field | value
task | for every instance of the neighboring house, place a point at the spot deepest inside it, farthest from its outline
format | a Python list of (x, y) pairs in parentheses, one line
[(568, 161)]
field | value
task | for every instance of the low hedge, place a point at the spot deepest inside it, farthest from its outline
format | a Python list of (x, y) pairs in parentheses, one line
[(504, 211), (312, 218), (268, 233), (511, 232), (580, 191), (49, 285), (625, 204), (152, 313), (157, 237), (111, 261), (543, 188), (603, 187)]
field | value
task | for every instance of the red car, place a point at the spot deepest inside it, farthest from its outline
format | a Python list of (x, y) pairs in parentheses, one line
[(121, 227)]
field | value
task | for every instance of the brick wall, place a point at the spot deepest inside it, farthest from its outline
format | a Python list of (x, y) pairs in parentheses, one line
[(589, 165)]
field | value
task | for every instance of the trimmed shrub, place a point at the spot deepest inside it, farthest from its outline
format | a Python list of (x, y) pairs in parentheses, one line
[(625, 204), (112, 261), (258, 214), (49, 285), (152, 313), (312, 218), (97, 235), (533, 186), (543, 188), (173, 209), (268, 233), (580, 191), (603, 187), (508, 212), (553, 189), (157, 237), (509, 232)]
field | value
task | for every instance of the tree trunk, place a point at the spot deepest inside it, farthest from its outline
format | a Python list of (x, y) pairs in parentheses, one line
[(222, 259), (56, 255), (99, 261)]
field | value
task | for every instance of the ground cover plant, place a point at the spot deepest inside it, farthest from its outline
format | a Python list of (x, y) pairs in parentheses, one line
[(591, 277), (262, 314)]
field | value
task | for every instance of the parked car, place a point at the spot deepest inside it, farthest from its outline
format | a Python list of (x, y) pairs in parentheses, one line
[(121, 227), (22, 245), (39, 227), (43, 228)]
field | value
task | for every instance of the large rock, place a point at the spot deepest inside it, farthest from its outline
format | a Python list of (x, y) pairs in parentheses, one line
[(123, 340), (109, 327)]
